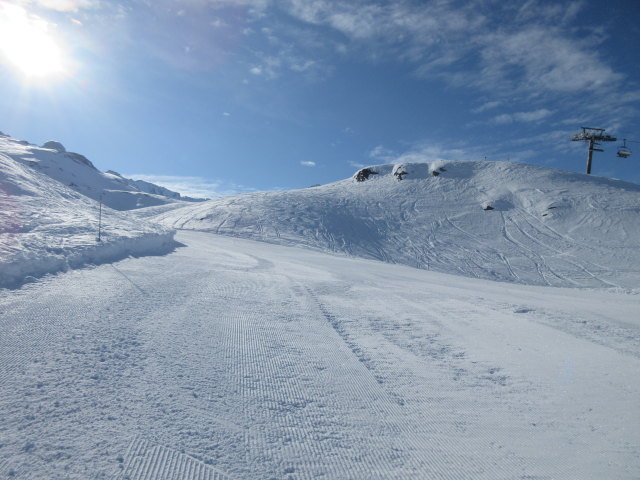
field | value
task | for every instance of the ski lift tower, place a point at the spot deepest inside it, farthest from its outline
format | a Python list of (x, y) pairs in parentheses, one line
[(593, 136)]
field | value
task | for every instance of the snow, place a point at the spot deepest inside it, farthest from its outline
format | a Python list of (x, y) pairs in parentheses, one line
[(544, 227), (231, 358), (53, 145), (78, 173), (47, 227), (319, 351)]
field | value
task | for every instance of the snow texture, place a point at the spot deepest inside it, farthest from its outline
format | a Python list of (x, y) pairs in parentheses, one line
[(47, 227), (495, 220), (77, 172), (235, 359)]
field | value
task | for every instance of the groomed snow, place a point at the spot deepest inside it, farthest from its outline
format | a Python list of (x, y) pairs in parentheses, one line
[(47, 227), (229, 358), (235, 359), (545, 226)]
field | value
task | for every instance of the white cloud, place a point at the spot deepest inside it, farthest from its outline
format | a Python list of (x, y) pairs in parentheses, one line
[(67, 5), (536, 53), (503, 119), (308, 163), (302, 66), (193, 186), (532, 116), (270, 67), (540, 58), (382, 153), (487, 106), (425, 152), (434, 152)]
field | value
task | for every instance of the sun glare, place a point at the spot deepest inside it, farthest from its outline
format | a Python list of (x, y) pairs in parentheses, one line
[(27, 44)]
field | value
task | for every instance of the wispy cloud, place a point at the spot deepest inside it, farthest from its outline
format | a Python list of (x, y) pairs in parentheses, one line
[(541, 53), (358, 165), (289, 50), (532, 116), (194, 186), (424, 152), (307, 163), (542, 59), (434, 152), (382, 153), (487, 106), (65, 5)]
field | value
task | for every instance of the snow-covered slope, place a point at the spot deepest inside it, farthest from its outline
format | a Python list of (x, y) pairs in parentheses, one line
[(495, 220), (233, 359), (77, 172), (45, 226)]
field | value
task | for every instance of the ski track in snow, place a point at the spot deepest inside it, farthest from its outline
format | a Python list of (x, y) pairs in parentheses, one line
[(232, 359), (547, 227)]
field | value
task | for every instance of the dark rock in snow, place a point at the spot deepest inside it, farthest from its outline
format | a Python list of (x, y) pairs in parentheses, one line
[(364, 174), (399, 173)]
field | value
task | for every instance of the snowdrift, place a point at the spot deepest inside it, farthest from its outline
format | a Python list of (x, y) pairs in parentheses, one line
[(496, 220), (47, 227)]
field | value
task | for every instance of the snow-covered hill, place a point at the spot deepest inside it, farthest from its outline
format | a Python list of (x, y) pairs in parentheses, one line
[(46, 226), (77, 172), (495, 220)]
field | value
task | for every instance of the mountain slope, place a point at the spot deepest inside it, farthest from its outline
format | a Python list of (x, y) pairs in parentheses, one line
[(77, 172), (45, 227), (495, 220)]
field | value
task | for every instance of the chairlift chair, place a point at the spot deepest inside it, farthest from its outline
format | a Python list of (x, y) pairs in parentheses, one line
[(623, 150)]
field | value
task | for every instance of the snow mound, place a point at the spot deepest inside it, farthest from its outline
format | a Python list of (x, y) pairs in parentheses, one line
[(47, 227), (53, 145), (78, 172), (502, 221)]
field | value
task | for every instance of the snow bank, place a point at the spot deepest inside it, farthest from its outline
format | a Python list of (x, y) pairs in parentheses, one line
[(47, 227), (37, 259), (496, 220)]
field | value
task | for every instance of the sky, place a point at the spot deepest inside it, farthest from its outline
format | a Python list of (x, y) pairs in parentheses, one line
[(219, 97)]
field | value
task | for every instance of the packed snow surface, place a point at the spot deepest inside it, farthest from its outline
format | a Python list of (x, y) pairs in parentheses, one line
[(235, 359), (46, 226), (495, 220), (229, 358)]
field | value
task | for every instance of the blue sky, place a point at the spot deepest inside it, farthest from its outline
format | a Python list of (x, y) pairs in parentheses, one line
[(214, 97)]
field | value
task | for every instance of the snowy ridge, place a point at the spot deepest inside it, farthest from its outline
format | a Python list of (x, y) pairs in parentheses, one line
[(47, 227), (78, 173), (495, 220)]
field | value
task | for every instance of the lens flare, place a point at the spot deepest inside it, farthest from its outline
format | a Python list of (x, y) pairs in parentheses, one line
[(26, 43)]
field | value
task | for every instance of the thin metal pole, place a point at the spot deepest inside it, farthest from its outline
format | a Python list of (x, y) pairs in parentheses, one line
[(100, 220), (590, 156)]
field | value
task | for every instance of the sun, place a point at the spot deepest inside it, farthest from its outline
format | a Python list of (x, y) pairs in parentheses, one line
[(26, 43)]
